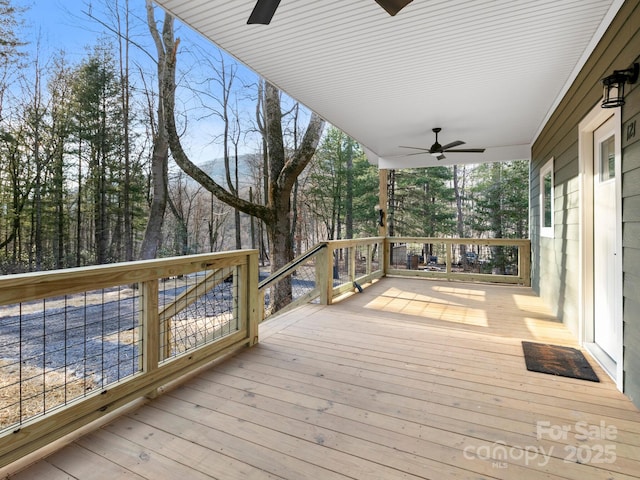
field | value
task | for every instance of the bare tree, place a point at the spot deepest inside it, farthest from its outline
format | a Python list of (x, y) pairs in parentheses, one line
[(166, 46), (283, 169), (217, 98), (122, 26), (458, 190)]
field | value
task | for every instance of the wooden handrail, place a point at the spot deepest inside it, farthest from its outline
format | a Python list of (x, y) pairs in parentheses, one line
[(354, 281), (524, 259), (155, 369)]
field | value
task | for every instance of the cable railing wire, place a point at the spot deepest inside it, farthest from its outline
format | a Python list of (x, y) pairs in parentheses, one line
[(55, 350)]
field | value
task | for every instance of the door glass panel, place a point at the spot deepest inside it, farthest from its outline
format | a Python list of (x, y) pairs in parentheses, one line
[(607, 160), (547, 191)]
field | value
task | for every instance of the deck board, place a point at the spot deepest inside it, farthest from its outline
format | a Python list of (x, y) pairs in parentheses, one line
[(409, 379)]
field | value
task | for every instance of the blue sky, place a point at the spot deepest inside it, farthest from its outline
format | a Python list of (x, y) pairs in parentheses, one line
[(65, 25), (60, 24)]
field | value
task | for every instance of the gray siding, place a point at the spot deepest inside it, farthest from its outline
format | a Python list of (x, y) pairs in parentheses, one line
[(631, 242), (554, 275)]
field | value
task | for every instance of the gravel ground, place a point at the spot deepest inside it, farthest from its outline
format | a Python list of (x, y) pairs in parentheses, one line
[(83, 340), (92, 336)]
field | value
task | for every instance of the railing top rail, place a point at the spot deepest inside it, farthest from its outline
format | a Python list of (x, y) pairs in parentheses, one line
[(292, 265), (144, 350), (459, 240), (351, 242), (35, 285)]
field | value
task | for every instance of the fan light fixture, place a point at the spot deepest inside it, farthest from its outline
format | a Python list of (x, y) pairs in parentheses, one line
[(614, 86), (438, 150)]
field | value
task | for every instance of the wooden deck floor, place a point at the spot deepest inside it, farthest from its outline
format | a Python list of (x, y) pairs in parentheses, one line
[(409, 379)]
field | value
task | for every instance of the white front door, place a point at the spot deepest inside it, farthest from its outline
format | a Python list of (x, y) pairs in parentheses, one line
[(605, 241)]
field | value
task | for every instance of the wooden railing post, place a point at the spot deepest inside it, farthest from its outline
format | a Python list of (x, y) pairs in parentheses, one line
[(324, 274), (386, 255), (158, 360), (153, 338), (240, 280), (261, 306), (352, 262), (520, 263), (383, 198), (255, 310), (524, 263)]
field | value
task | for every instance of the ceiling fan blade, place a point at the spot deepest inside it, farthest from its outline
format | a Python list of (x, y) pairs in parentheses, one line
[(393, 6), (452, 144), (263, 12), (416, 148), (467, 150), (440, 157)]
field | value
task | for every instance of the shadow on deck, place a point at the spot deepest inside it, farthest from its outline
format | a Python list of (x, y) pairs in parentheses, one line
[(409, 379)]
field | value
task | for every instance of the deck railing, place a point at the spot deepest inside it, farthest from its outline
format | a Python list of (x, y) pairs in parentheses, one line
[(324, 272), (77, 344), (500, 260), (350, 264), (333, 268), (302, 275)]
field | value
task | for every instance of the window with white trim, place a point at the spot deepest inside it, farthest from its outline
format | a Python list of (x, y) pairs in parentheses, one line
[(546, 199)]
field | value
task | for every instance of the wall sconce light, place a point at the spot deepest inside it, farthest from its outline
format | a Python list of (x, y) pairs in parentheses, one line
[(380, 215), (614, 86)]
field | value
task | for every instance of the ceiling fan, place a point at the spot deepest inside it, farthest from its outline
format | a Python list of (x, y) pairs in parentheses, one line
[(263, 11), (438, 150)]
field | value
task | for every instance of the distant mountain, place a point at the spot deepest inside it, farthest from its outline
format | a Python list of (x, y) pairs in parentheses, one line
[(215, 169)]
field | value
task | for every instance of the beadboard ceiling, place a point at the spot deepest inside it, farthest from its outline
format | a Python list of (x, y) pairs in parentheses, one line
[(487, 72)]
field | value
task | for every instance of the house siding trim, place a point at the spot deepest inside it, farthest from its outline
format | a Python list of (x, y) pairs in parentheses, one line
[(586, 129), (557, 270)]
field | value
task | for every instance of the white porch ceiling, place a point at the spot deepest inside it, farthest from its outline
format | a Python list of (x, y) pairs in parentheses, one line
[(487, 72)]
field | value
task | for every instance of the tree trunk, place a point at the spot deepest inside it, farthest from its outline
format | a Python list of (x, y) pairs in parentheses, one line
[(60, 237), (459, 214), (166, 48), (159, 179), (281, 253), (348, 218), (498, 256), (78, 218), (282, 172), (123, 42)]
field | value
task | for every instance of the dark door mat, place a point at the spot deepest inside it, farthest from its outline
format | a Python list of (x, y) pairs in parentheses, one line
[(557, 360)]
